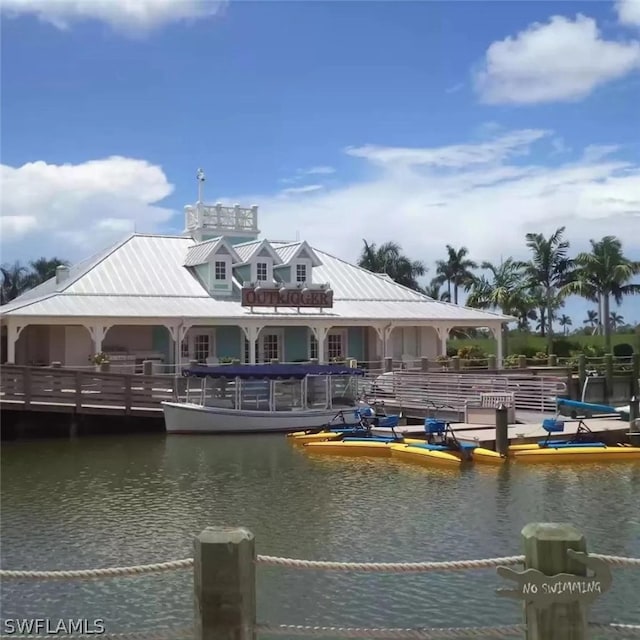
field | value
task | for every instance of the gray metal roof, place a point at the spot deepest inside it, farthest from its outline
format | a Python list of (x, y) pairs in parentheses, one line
[(144, 277)]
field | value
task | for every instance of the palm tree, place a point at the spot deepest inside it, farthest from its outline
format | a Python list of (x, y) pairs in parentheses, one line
[(456, 270), (504, 290), (550, 269), (602, 273), (14, 281), (592, 320), (616, 320), (434, 291), (43, 269), (388, 258), (565, 322)]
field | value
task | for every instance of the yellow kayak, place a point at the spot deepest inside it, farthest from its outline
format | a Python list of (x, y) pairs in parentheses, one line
[(315, 437), (486, 456), (423, 455), (351, 447), (578, 454)]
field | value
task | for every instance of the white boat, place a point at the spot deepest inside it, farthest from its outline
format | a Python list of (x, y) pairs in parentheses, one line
[(263, 398)]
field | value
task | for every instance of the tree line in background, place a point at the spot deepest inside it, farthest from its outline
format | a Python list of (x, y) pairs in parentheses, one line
[(18, 278), (529, 290), (534, 290)]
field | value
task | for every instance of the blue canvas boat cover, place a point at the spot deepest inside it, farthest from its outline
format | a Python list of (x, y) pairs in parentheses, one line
[(271, 371)]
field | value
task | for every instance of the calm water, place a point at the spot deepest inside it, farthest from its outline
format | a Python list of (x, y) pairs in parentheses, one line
[(99, 502)]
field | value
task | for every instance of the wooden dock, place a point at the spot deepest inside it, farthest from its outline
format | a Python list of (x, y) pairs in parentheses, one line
[(611, 430), (86, 392)]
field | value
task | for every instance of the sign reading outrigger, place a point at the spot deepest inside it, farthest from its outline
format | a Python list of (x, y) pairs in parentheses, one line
[(258, 296)]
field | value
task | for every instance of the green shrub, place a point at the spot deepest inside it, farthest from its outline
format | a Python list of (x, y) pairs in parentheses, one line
[(622, 350), (471, 352), (563, 347)]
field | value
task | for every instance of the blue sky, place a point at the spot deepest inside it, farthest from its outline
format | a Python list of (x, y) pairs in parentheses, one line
[(428, 123)]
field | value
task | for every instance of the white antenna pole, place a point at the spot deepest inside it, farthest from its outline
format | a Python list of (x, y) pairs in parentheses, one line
[(201, 178)]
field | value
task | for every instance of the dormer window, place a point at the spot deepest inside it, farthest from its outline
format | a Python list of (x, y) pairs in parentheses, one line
[(220, 270), (262, 268), (301, 272), (262, 271)]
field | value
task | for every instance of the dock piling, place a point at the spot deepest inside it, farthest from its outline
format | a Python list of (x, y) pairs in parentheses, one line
[(545, 547), (634, 421), (502, 429), (224, 583)]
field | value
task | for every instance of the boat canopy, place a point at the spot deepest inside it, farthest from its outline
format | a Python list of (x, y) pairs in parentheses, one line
[(271, 371)]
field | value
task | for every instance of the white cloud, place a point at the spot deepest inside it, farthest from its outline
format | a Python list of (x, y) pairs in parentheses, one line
[(562, 60), (309, 188), (434, 196), (69, 209), (488, 206), (317, 171), (628, 12), (460, 155), (122, 15)]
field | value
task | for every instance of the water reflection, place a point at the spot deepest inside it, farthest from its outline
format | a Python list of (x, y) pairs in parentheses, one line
[(105, 501)]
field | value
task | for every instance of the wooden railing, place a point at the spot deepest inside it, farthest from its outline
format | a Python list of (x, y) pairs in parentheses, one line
[(67, 390)]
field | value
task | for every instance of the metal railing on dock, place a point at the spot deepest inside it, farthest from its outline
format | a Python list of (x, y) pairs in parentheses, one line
[(554, 587)]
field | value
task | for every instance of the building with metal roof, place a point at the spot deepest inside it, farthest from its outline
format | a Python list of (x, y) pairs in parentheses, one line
[(219, 292)]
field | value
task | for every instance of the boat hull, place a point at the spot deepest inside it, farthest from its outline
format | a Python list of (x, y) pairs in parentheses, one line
[(350, 448), (577, 454), (187, 418), (422, 455)]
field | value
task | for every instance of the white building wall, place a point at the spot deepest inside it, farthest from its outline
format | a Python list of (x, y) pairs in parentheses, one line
[(78, 346), (429, 343)]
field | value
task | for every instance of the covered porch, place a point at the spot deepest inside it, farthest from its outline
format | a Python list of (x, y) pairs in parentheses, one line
[(127, 342)]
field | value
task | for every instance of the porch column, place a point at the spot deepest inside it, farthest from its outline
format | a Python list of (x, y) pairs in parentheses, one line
[(177, 333), (98, 332), (320, 333), (443, 334), (251, 333), (497, 334), (384, 333), (13, 333)]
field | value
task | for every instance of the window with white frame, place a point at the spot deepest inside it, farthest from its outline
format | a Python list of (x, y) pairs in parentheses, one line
[(270, 347), (220, 270), (301, 272), (335, 346), (313, 347), (201, 347), (246, 352), (184, 349), (262, 271)]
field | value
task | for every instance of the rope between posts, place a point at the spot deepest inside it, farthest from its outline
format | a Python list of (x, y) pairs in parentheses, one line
[(98, 573), (160, 634), (617, 629), (506, 631), (390, 567)]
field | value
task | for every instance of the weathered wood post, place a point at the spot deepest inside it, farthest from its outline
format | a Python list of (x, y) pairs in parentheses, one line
[(388, 364), (545, 548), (635, 374), (608, 374), (225, 584), (502, 430), (424, 365), (634, 421), (455, 363), (492, 362), (522, 362), (582, 374), (274, 361), (147, 367), (552, 360), (313, 360)]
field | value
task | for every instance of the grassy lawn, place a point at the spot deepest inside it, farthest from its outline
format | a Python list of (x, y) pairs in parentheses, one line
[(518, 341)]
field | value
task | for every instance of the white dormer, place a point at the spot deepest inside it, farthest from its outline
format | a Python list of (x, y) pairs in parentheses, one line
[(301, 259), (213, 261), (261, 258)]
